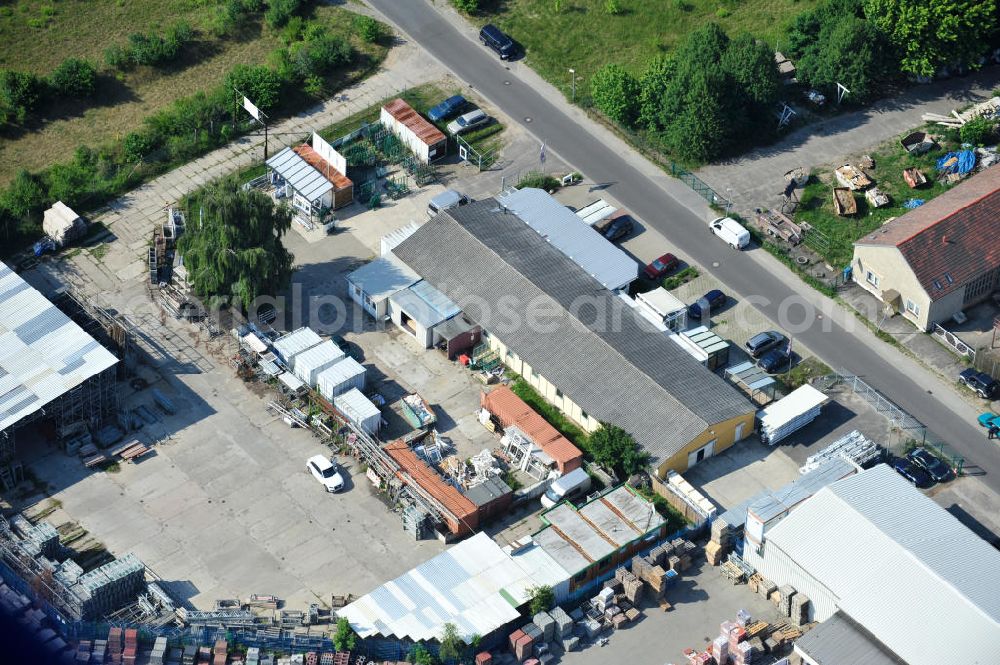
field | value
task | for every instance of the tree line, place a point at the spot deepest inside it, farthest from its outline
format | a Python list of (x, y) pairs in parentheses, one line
[(191, 126), (715, 94)]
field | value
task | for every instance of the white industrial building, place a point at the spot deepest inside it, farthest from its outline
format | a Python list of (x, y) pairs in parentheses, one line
[(288, 346), (311, 362), (372, 284), (417, 133), (49, 366), (893, 570), (340, 377)]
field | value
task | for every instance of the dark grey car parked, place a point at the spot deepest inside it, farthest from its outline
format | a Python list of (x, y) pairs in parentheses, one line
[(763, 342)]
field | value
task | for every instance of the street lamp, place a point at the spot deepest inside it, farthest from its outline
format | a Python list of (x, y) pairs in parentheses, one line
[(572, 80)]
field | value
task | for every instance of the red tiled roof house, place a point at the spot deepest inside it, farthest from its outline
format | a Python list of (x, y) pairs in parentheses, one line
[(938, 259)]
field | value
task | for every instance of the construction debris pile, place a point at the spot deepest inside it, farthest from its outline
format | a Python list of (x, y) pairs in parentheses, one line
[(990, 109), (33, 551)]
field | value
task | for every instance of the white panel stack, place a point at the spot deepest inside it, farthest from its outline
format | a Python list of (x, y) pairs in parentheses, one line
[(341, 377), (311, 362), (359, 410), (790, 413)]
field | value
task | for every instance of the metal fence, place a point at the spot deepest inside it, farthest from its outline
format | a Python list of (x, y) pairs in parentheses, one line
[(699, 186), (913, 432), (481, 160), (953, 342)]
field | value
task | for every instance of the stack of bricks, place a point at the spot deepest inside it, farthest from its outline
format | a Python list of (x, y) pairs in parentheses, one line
[(115, 645), (650, 573), (523, 648), (799, 613), (484, 658), (131, 646), (564, 624), (785, 600), (736, 645), (698, 657), (312, 658), (546, 624)]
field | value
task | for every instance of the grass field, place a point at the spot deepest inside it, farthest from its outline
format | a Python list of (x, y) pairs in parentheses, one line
[(816, 205), (36, 39), (582, 36)]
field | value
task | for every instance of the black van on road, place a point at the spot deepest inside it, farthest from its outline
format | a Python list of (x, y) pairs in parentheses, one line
[(493, 37)]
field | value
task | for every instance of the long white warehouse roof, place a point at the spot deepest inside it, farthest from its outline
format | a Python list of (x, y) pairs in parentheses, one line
[(43, 354), (475, 585), (609, 265), (900, 565)]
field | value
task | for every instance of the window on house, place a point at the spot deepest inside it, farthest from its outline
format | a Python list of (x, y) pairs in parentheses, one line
[(871, 278), (948, 278), (583, 414), (559, 393), (510, 354), (912, 307)]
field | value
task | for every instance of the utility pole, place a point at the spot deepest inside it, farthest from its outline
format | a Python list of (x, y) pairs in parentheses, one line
[(572, 73)]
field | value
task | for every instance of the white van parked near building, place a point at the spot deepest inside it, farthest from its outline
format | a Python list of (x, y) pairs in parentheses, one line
[(731, 231), (572, 486)]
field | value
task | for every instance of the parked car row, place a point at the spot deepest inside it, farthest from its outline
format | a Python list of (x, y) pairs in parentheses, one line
[(922, 468), (469, 120)]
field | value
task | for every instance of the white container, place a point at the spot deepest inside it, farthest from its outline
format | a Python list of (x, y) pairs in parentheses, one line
[(311, 362), (295, 342), (359, 410), (341, 377)]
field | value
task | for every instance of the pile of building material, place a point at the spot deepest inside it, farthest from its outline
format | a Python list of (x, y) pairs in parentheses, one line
[(158, 655), (790, 413), (683, 496), (417, 411), (854, 447), (876, 198), (989, 109), (852, 178)]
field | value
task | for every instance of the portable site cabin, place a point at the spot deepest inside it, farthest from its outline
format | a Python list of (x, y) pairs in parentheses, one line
[(62, 224), (665, 306), (340, 377), (311, 362), (417, 133), (359, 410), (310, 184), (288, 346), (419, 308), (372, 284)]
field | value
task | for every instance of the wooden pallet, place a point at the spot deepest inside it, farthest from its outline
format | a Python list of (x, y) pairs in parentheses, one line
[(95, 460), (134, 452)]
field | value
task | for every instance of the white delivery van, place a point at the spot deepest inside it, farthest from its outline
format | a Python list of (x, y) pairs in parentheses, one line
[(449, 198), (572, 486), (731, 231)]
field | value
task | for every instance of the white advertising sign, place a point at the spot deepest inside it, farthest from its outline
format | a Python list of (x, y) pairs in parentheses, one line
[(327, 152), (251, 109)]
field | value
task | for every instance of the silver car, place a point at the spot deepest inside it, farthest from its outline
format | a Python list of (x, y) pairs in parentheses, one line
[(467, 121)]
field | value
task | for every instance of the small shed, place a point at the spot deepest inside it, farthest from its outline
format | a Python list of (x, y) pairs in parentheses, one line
[(359, 410), (705, 346), (288, 346), (457, 335), (418, 308), (492, 498), (754, 381), (343, 188), (665, 306), (425, 140), (62, 224), (311, 362), (309, 191), (340, 377), (371, 285)]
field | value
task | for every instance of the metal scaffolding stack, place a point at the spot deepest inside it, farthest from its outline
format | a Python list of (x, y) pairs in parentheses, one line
[(854, 447), (110, 587), (221, 619)]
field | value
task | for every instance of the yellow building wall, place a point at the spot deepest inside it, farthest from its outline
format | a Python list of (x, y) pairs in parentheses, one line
[(893, 272), (724, 435)]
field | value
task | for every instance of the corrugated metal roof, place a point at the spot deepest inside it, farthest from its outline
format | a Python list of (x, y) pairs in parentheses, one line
[(43, 354), (383, 277), (839, 641), (311, 157), (343, 370), (901, 566), (393, 238), (467, 586), (300, 175), (598, 257), (416, 123), (425, 304), (297, 341), (512, 410), (291, 381), (604, 357), (359, 406), (312, 361)]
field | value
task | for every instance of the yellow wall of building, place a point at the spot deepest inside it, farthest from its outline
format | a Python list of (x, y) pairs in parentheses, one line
[(724, 435), (891, 271)]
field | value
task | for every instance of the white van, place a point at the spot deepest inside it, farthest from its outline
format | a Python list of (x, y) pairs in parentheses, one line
[(572, 486), (449, 198), (731, 231)]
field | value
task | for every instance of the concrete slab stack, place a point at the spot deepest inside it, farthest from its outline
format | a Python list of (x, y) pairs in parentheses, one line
[(159, 653), (785, 595), (564, 624), (546, 624), (131, 646), (484, 658), (571, 643), (799, 609), (100, 652)]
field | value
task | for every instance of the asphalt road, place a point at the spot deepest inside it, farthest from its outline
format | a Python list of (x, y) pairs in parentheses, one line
[(858, 353)]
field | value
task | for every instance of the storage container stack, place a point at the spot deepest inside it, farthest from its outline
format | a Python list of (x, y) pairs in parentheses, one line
[(785, 600), (115, 645)]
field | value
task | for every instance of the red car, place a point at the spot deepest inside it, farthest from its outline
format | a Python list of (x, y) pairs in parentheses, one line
[(661, 266)]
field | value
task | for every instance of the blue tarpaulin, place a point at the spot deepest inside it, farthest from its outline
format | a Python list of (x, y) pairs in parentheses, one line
[(913, 203), (957, 162)]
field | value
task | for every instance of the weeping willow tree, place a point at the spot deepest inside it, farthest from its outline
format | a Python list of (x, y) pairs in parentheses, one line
[(232, 250)]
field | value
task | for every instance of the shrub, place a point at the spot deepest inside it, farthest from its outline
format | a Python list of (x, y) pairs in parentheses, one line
[(616, 94), (538, 180), (292, 31), (978, 131), (20, 93), (24, 197), (614, 448), (344, 639), (279, 12), (467, 6), (74, 78), (117, 56), (612, 8), (137, 145), (542, 599), (261, 84), (151, 49), (368, 29)]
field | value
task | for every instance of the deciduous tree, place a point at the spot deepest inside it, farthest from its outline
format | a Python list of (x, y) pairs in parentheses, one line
[(616, 93)]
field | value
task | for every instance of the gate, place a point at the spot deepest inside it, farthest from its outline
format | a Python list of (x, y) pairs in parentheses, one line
[(953, 342), (481, 160), (699, 186)]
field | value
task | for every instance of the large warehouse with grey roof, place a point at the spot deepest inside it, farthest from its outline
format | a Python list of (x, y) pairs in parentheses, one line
[(573, 339)]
